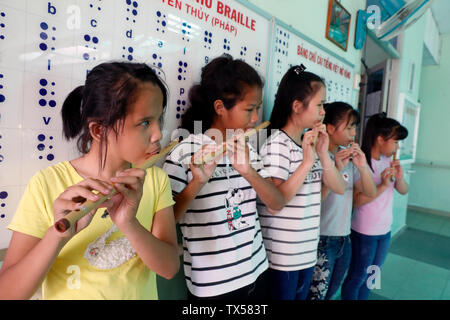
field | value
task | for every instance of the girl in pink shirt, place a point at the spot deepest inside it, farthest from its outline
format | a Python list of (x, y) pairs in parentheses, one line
[(372, 219)]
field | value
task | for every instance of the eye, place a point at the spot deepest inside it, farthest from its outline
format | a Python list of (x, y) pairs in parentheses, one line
[(145, 123)]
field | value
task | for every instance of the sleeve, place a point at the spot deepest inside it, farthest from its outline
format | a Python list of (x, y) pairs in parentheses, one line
[(174, 166), (34, 214), (276, 159), (165, 192)]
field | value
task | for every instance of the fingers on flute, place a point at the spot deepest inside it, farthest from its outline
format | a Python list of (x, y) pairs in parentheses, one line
[(134, 172), (68, 205), (77, 192), (127, 182), (95, 184)]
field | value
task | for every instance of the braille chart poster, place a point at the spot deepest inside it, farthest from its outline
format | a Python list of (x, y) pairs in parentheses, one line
[(48, 47), (291, 48)]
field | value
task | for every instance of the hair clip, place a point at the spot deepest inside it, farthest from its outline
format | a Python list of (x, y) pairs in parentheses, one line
[(299, 69)]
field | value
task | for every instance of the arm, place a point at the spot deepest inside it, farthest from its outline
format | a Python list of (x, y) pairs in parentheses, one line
[(400, 184), (265, 189), (185, 197), (158, 248), (269, 194), (200, 177), (332, 178), (289, 187), (365, 185), (27, 262), (359, 199), (29, 258), (325, 192)]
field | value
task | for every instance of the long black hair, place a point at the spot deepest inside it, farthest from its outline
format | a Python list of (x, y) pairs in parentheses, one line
[(224, 78), (380, 125), (109, 89), (336, 112), (296, 84)]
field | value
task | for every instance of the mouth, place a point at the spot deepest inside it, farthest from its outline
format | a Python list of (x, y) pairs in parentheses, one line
[(152, 153)]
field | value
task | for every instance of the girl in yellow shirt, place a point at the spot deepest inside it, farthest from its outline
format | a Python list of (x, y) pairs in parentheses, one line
[(114, 255)]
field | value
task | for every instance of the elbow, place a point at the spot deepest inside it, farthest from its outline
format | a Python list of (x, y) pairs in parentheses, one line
[(278, 208), (340, 190), (372, 193), (170, 272), (279, 205)]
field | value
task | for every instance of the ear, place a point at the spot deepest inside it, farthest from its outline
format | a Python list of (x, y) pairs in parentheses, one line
[(95, 129), (331, 128), (219, 107), (380, 140), (297, 106)]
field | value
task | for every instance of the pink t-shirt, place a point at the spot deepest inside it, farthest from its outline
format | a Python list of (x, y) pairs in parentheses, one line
[(375, 217)]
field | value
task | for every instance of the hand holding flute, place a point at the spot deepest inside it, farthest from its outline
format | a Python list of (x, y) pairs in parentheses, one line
[(82, 213)]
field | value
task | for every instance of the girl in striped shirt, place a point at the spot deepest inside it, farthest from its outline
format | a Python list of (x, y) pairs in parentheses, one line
[(298, 166), (224, 254)]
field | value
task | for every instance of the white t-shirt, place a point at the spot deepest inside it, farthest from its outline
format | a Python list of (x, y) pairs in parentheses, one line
[(222, 241), (336, 211), (291, 236)]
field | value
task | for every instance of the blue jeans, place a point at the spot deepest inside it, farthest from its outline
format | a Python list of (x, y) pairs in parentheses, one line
[(366, 251), (333, 259), (290, 285)]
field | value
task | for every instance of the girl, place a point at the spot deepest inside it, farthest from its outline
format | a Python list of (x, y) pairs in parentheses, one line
[(371, 224), (224, 255), (291, 235), (116, 115), (334, 250)]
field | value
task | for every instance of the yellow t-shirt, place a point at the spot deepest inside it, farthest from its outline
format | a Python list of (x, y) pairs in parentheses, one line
[(98, 262)]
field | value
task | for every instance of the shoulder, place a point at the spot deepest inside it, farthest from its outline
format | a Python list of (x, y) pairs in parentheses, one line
[(61, 171)]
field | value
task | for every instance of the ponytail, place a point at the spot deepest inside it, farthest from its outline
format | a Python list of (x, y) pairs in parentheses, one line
[(71, 113)]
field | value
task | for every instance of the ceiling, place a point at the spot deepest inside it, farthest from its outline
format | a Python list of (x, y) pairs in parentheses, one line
[(441, 12)]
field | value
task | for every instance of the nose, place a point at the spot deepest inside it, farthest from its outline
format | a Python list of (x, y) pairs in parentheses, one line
[(254, 117), (322, 111), (353, 132), (156, 134)]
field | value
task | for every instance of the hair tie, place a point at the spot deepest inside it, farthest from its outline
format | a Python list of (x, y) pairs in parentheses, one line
[(299, 69)]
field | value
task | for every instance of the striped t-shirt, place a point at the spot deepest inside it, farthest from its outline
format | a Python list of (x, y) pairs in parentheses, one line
[(291, 235), (222, 241)]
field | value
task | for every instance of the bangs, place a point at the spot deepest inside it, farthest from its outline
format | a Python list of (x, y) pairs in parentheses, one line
[(353, 118), (400, 133)]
